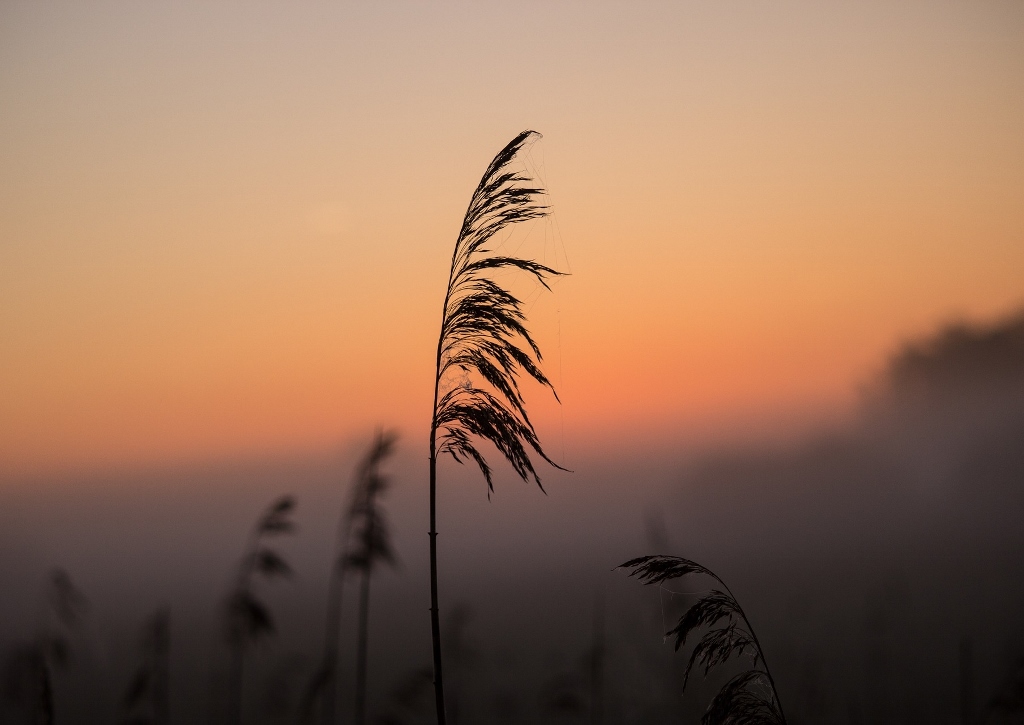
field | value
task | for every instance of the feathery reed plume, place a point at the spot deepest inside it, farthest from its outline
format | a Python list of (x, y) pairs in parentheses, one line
[(372, 545), (28, 673), (145, 700), (748, 698), (481, 326), (246, 618)]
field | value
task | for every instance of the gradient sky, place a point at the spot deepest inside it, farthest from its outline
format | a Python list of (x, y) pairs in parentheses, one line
[(225, 227)]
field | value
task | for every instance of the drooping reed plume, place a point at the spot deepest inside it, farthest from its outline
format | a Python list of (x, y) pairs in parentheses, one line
[(483, 328), (748, 698), (246, 618), (146, 700), (28, 674)]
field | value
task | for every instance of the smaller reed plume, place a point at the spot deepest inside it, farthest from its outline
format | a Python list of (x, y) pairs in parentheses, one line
[(246, 618), (748, 698), (364, 539), (372, 545)]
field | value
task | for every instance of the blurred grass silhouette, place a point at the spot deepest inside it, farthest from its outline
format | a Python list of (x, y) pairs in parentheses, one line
[(246, 618)]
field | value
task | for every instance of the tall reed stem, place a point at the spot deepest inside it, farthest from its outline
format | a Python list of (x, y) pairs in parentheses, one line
[(235, 666), (482, 327), (435, 620), (335, 587)]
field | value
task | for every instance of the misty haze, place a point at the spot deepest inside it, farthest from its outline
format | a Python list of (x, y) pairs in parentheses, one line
[(880, 559), (458, 363)]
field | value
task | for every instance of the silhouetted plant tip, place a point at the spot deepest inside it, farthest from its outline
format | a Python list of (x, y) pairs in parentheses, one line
[(246, 618), (483, 328), (372, 532), (748, 698)]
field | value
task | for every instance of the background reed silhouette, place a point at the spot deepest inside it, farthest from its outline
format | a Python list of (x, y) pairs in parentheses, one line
[(372, 545), (747, 698), (482, 325), (323, 685), (247, 619)]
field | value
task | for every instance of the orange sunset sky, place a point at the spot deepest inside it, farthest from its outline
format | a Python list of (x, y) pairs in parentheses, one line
[(225, 228)]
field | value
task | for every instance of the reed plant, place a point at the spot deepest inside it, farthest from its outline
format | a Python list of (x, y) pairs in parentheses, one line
[(246, 618), (481, 351), (747, 698), (363, 540), (372, 546)]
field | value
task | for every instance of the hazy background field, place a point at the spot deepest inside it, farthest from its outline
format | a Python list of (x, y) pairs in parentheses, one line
[(224, 234), (866, 552)]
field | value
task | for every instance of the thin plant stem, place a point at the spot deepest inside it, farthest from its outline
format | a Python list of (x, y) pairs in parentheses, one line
[(435, 619), (236, 664), (335, 588), (247, 617)]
